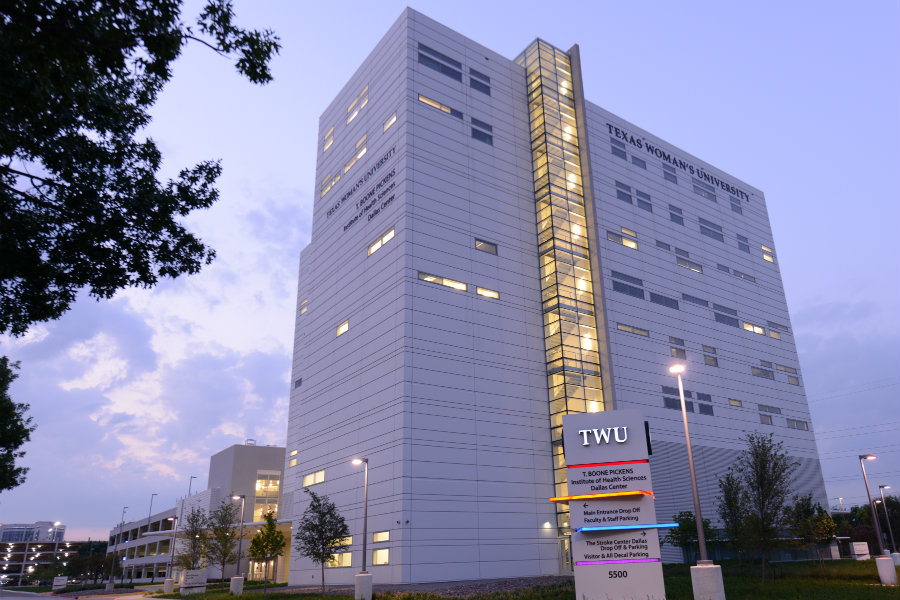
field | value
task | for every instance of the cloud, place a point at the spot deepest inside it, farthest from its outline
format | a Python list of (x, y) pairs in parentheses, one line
[(105, 367)]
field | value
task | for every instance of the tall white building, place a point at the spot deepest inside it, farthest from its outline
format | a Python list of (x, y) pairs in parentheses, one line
[(489, 252)]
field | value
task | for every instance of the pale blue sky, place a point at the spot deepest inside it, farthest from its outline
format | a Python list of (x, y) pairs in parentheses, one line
[(799, 99)]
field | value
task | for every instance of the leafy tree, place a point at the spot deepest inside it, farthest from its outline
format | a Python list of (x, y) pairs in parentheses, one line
[(15, 428), (731, 511), (811, 525), (222, 542), (321, 530), (87, 562), (196, 538), (685, 535), (762, 474), (80, 202), (268, 544)]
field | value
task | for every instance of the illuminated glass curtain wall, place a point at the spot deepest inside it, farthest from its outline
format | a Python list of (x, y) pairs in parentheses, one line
[(570, 327)]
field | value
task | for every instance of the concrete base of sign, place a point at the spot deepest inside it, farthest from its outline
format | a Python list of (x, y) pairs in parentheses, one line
[(237, 586), (896, 558), (886, 571), (363, 586), (168, 586), (706, 580), (110, 586)]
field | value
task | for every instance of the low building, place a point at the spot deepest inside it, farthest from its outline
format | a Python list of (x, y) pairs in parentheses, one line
[(25, 549)]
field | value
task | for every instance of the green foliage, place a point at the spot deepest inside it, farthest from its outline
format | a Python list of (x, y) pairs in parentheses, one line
[(811, 525), (685, 535), (15, 428), (266, 545), (80, 202), (195, 533), (320, 531), (221, 545), (756, 489), (87, 563)]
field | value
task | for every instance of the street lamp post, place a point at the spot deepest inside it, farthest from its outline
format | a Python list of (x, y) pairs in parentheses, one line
[(706, 578), (112, 568), (363, 586), (863, 457), (887, 516), (150, 514), (172, 547), (237, 573)]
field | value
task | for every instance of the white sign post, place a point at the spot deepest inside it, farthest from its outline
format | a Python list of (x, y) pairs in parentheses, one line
[(611, 507)]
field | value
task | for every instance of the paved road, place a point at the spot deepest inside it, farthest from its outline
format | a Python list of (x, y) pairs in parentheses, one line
[(130, 595)]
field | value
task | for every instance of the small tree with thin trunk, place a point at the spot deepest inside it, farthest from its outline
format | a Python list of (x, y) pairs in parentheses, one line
[(732, 512), (222, 543), (685, 535), (268, 544), (321, 531), (193, 551), (811, 525)]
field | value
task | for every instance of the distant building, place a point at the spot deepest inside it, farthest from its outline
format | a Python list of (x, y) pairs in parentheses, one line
[(40, 531), (144, 547), (19, 559)]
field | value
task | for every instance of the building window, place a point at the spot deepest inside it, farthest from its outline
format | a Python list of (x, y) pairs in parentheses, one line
[(664, 300), (484, 246), (360, 152), (293, 453), (793, 380), (769, 409), (482, 136), (313, 478), (695, 300), (765, 373), (618, 148), (676, 341), (676, 218), (380, 556), (709, 349), (339, 559), (358, 104), (705, 409), (704, 397), (669, 173), (391, 120), (724, 309), (342, 328), (487, 293), (292, 462), (774, 334), (705, 190), (632, 329), (681, 252), (765, 419), (734, 402), (786, 369), (675, 403), (643, 201), (456, 285), (637, 292), (726, 320), (678, 353), (795, 424), (381, 536), (663, 245), (298, 383), (442, 107), (749, 278), (628, 278), (479, 75), (736, 206), (754, 328), (440, 67), (440, 55), (328, 140), (625, 241), (712, 361), (766, 363), (381, 241), (329, 183), (477, 85), (623, 196), (689, 264), (638, 162), (779, 326)]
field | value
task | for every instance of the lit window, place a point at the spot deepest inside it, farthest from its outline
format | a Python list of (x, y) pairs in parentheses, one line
[(632, 329), (344, 541), (754, 328), (381, 536), (486, 292), (712, 361), (329, 183), (765, 419), (678, 353), (313, 478), (339, 559), (786, 369), (293, 453), (358, 104), (381, 241), (627, 242), (389, 122), (689, 264), (328, 140), (488, 247), (380, 556), (360, 152), (630, 232), (456, 285), (442, 107), (734, 402), (793, 380), (343, 327), (795, 424), (292, 462), (709, 349), (769, 409), (303, 309), (765, 373), (774, 334)]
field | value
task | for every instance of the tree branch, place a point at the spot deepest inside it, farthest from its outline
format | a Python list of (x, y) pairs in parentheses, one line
[(215, 49)]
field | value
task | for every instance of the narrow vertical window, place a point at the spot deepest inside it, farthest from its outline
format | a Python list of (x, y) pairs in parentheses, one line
[(343, 327)]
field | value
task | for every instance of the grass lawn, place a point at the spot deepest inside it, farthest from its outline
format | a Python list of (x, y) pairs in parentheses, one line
[(839, 580)]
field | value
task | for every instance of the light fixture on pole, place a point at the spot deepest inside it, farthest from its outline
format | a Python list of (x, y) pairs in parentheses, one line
[(706, 578), (863, 457), (172, 546), (237, 572), (887, 517), (121, 527), (363, 587)]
